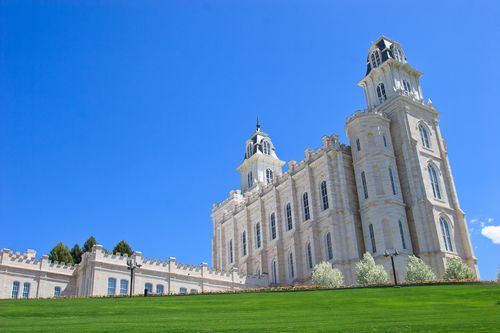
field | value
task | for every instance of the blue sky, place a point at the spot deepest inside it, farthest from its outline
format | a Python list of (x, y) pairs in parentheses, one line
[(126, 119)]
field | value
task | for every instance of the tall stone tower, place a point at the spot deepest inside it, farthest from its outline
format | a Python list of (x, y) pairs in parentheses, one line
[(405, 187), (261, 164)]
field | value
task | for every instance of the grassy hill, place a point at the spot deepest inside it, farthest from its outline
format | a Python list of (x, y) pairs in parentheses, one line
[(457, 308)]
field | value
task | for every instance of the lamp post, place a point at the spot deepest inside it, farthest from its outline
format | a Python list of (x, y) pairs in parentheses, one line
[(392, 254), (132, 265)]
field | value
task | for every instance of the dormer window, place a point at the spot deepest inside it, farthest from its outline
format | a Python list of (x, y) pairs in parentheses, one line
[(266, 147), (375, 58), (381, 92), (397, 53)]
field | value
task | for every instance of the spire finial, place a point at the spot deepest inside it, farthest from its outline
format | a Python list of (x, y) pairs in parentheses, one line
[(258, 124)]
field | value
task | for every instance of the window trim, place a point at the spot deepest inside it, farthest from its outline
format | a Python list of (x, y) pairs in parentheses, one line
[(309, 256), (372, 238), (258, 235), (435, 182), (324, 195), (445, 232), (111, 286), (329, 246), (269, 176), (425, 140), (244, 243), (272, 225), (123, 289), (381, 93), (291, 268), (26, 290), (305, 206), (15, 289), (288, 215)]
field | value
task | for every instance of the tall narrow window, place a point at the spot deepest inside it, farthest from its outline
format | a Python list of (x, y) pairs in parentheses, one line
[(402, 234), (424, 136), (305, 203), (406, 86), (309, 256), (375, 58), (123, 287), (230, 251), (381, 92), (250, 179), (273, 225), (329, 247), (57, 291), (269, 176), (436, 190), (393, 184), (290, 265), (288, 213), (385, 140), (26, 289), (445, 231), (149, 287), (15, 289), (258, 242), (363, 181), (111, 286), (358, 145), (397, 53), (372, 238), (266, 147), (274, 271), (160, 289), (249, 150), (244, 244), (324, 195)]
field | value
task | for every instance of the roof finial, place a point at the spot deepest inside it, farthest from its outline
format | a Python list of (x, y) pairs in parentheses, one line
[(258, 124)]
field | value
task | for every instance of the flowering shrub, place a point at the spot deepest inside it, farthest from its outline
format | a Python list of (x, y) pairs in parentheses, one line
[(457, 270), (417, 271), (369, 273), (325, 276)]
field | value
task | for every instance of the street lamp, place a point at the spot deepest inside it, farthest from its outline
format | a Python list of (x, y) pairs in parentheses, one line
[(392, 254), (132, 265)]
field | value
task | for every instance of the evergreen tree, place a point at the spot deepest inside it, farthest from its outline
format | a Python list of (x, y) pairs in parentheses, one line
[(123, 247), (61, 253), (369, 273), (76, 253), (417, 271), (325, 276), (457, 270), (87, 246)]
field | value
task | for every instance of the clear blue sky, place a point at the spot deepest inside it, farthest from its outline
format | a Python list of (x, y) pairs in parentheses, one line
[(127, 119)]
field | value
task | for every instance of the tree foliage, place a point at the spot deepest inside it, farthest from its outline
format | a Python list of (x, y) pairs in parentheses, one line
[(417, 271), (123, 247), (76, 253), (457, 270), (87, 246), (61, 253), (325, 276), (369, 272)]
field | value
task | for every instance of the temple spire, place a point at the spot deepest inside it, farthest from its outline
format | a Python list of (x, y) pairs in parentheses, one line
[(258, 124)]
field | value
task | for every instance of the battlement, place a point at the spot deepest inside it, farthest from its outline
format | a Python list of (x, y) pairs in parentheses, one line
[(28, 261)]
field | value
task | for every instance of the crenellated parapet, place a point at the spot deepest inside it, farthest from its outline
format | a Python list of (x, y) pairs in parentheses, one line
[(28, 261)]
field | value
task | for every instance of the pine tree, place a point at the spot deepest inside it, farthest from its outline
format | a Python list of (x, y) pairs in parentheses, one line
[(123, 247), (76, 254), (369, 273), (417, 271), (87, 246), (61, 253)]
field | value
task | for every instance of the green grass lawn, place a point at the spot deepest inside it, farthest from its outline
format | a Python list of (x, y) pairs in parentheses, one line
[(457, 308)]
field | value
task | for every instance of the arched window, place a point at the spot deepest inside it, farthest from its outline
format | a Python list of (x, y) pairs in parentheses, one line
[(266, 147), (424, 136), (26, 289), (436, 190), (358, 145), (398, 54), (244, 244), (309, 255), (288, 214), (402, 234), (183, 291), (375, 59), (250, 179), (249, 150), (15, 289), (274, 272), (305, 203), (160, 289), (363, 181), (269, 176), (258, 242), (272, 223), (149, 287), (111, 286), (324, 195), (381, 92), (445, 231), (329, 247), (123, 287), (290, 265), (230, 251), (393, 184), (57, 291), (372, 238), (406, 86)]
